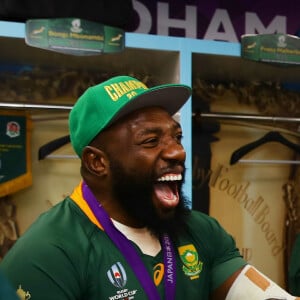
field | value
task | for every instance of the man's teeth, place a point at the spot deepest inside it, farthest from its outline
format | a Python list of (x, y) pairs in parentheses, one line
[(170, 177)]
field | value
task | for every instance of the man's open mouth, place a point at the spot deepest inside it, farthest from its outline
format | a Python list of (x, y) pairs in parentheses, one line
[(166, 189)]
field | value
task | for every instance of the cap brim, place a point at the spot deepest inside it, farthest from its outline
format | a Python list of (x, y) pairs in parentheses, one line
[(169, 97)]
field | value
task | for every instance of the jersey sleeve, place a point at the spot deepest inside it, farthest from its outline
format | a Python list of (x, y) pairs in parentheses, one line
[(220, 248), (227, 257), (49, 261), (6, 290), (41, 270)]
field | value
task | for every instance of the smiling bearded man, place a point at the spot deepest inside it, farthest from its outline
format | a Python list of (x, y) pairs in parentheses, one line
[(124, 232), (135, 196), (134, 186)]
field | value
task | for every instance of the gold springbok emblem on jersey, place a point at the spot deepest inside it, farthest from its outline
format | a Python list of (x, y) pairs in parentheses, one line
[(23, 295), (191, 264)]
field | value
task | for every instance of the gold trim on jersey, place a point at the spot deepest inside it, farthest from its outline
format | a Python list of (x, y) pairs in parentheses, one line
[(78, 198)]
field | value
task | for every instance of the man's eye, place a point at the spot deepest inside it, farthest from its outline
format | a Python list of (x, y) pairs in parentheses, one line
[(179, 137), (150, 141)]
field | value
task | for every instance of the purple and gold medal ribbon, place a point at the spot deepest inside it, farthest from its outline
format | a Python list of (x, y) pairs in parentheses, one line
[(130, 253)]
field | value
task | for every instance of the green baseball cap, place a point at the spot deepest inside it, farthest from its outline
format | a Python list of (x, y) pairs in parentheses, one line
[(103, 104)]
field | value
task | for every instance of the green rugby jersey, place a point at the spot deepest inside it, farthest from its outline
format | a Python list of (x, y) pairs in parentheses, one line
[(64, 256), (6, 291), (294, 268)]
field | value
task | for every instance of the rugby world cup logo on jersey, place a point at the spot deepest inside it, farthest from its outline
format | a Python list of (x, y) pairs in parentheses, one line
[(117, 275)]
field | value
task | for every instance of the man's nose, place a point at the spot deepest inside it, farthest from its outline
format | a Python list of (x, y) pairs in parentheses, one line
[(174, 151)]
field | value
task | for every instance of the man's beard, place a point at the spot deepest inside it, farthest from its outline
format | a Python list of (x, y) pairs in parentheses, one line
[(134, 193)]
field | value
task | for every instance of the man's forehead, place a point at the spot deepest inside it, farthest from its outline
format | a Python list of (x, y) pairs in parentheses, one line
[(152, 112), (150, 118), (154, 125)]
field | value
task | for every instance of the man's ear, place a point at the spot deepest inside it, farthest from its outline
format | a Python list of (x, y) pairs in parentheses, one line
[(95, 161)]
